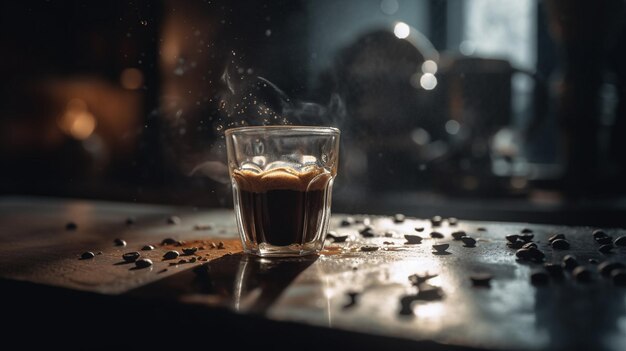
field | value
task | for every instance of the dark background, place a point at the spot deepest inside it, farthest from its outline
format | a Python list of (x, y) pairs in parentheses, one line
[(119, 100)]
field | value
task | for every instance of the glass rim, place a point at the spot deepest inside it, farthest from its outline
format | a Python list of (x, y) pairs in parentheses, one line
[(314, 130)]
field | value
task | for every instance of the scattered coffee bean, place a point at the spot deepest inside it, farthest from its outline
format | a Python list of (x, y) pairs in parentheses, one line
[(452, 221), (173, 220), (182, 261), (406, 302), (346, 222), (367, 231), (71, 226), (526, 231), (605, 249), (429, 292), (170, 255), (619, 277), (131, 256), (469, 241), (593, 261), (341, 239), (99, 253), (369, 248), (351, 299), (527, 237), (555, 270), (181, 243), (519, 243), (481, 279), (441, 247), (599, 233), (87, 255), (560, 244), (192, 260), (522, 254), (213, 245), (481, 229), (605, 240), (162, 270), (220, 245), (435, 221), (417, 279), (168, 241), (419, 229), (388, 243), (190, 250), (556, 237), (201, 248), (331, 234), (512, 238), (399, 218), (530, 254), (413, 239), (605, 268), (130, 221), (390, 234), (539, 278), (143, 263), (436, 235), (621, 241), (147, 248), (529, 246), (458, 235), (582, 274), (570, 262), (119, 242)]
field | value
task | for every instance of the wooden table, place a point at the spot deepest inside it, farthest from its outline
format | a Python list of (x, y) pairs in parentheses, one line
[(346, 297)]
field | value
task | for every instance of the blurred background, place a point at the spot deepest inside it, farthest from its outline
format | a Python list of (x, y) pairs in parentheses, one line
[(479, 109)]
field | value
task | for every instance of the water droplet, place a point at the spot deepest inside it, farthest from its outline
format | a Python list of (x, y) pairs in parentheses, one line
[(143, 22), (219, 127), (268, 32), (324, 158)]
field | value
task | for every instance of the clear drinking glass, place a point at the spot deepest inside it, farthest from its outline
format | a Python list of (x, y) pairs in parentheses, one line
[(282, 180)]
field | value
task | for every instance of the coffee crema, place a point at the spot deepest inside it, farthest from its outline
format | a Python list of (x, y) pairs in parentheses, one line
[(283, 206)]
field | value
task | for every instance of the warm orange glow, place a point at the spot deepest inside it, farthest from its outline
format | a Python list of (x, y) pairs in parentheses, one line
[(77, 121), (131, 78)]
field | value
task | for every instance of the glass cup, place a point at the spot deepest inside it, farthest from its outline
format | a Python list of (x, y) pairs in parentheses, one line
[(282, 179)]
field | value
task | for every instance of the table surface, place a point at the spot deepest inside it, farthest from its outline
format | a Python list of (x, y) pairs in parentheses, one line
[(510, 313)]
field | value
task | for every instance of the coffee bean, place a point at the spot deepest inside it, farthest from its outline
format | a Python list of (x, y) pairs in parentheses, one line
[(529, 246), (605, 240), (71, 226), (481, 279), (331, 235), (143, 263), (599, 233), (413, 239), (519, 243), (351, 299), (170, 255), (452, 221), (435, 221), (555, 270), (220, 245), (458, 235), (130, 220), (523, 254), (527, 237), (341, 239), (560, 244), (87, 255), (570, 262), (605, 268), (182, 261), (192, 260), (512, 238), (619, 277), (556, 237), (429, 292), (367, 231), (168, 241), (469, 241), (119, 242), (389, 234), (213, 245), (530, 254), (526, 231), (419, 229), (147, 247), (369, 248), (346, 222), (436, 235), (173, 220), (481, 229), (99, 253), (388, 243), (539, 278), (131, 256), (582, 274), (417, 279), (621, 241), (605, 249), (441, 247), (190, 250), (399, 218)]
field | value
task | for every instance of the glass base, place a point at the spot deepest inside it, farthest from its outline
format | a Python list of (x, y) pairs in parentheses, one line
[(294, 250)]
